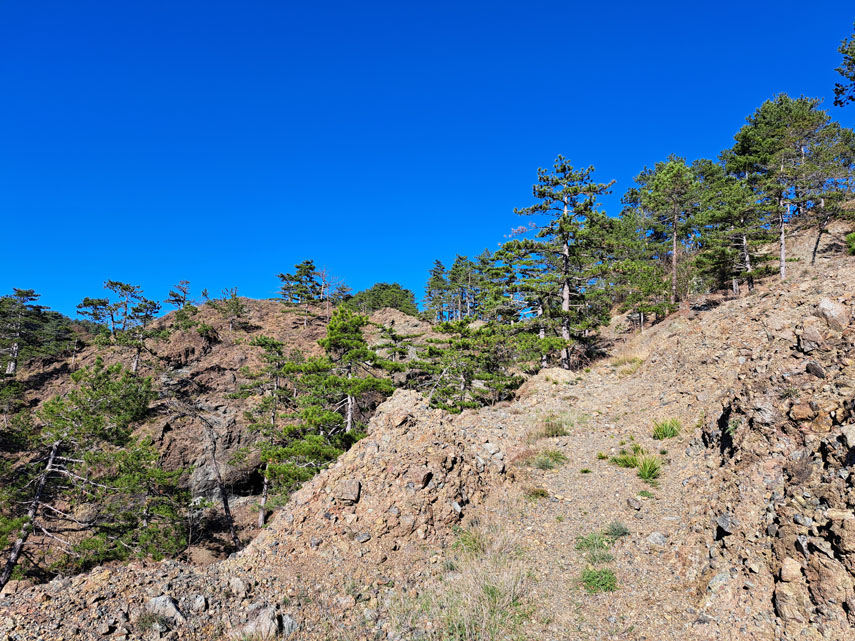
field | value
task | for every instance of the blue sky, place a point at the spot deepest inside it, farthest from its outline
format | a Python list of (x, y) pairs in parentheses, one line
[(223, 142)]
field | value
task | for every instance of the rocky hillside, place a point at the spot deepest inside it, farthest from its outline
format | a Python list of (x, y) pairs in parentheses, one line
[(516, 522)]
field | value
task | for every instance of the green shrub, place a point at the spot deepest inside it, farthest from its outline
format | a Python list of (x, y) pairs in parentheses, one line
[(850, 243), (666, 429), (616, 530), (585, 470), (601, 580), (649, 468)]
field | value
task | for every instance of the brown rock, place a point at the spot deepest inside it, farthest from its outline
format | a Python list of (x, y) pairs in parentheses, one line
[(791, 570), (801, 412), (811, 337), (792, 602)]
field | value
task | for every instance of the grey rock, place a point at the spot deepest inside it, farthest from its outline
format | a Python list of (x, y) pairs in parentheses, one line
[(362, 537), (718, 580), (657, 538), (265, 625), (315, 542), (238, 587), (835, 314), (348, 491), (801, 519), (812, 367), (289, 626), (635, 504), (165, 606), (199, 603), (849, 435), (726, 523)]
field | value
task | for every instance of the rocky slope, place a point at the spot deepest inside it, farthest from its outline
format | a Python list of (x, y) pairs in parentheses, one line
[(437, 525)]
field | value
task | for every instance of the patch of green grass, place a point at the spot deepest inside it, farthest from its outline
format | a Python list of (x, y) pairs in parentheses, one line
[(663, 451), (585, 470), (666, 429), (850, 243), (790, 392), (598, 580), (549, 459), (625, 459), (593, 541), (601, 456), (649, 468), (596, 557), (559, 518), (469, 540), (647, 494), (535, 493)]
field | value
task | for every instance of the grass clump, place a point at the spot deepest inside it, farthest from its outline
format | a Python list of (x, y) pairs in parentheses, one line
[(552, 426), (549, 459), (629, 363), (647, 494), (535, 493), (628, 458), (598, 580), (616, 530), (470, 540), (666, 429), (601, 456), (596, 557), (593, 541), (485, 597), (585, 470), (649, 468)]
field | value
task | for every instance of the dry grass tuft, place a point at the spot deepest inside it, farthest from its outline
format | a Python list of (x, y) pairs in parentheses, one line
[(484, 598)]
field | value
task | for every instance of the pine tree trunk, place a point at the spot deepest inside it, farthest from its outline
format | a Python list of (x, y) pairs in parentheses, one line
[(32, 513), (735, 285), (674, 261), (824, 222), (783, 243), (349, 418), (264, 491), (541, 334), (221, 486), (12, 365), (565, 297), (136, 364), (641, 321)]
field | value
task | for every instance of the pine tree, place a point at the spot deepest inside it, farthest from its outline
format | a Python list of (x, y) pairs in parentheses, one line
[(573, 237), (845, 93), (667, 196), (731, 223), (301, 288), (779, 150), (353, 362), (230, 307), (84, 456), (436, 293), (19, 325), (128, 316)]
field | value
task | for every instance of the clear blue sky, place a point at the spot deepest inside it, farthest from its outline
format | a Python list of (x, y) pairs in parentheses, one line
[(223, 142)]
